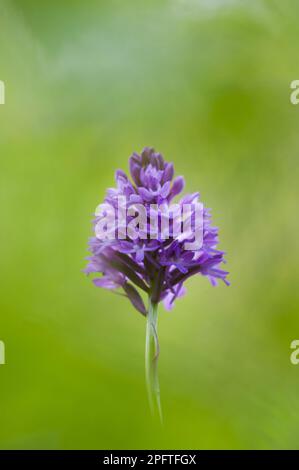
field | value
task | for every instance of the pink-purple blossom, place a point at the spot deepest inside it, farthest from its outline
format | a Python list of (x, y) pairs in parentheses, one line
[(159, 267)]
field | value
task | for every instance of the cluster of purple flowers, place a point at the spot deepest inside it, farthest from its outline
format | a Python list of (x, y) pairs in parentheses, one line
[(157, 266)]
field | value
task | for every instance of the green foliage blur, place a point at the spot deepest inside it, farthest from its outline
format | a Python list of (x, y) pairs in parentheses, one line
[(207, 83)]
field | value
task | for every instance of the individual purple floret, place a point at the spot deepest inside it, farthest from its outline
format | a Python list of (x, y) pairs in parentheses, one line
[(148, 261)]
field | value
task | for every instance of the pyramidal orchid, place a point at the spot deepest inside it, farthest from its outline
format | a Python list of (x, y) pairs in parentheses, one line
[(145, 244)]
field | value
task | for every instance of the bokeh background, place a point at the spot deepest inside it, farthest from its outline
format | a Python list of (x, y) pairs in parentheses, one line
[(207, 83)]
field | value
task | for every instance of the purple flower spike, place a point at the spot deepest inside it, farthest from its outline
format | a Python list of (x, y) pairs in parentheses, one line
[(135, 252), (156, 266)]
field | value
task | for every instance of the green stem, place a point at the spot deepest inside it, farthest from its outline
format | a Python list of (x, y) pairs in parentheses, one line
[(151, 360)]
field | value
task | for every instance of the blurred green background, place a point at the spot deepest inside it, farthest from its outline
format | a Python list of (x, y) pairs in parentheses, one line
[(207, 83)]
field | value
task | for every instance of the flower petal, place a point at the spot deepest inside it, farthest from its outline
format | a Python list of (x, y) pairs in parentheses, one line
[(135, 298)]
